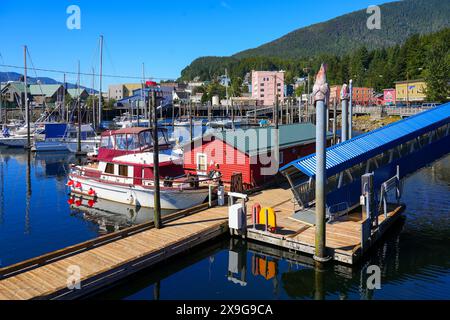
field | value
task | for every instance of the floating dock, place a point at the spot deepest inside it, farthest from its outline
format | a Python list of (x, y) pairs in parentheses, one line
[(110, 258)]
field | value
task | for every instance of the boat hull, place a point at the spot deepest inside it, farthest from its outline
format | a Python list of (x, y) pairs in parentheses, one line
[(171, 199)]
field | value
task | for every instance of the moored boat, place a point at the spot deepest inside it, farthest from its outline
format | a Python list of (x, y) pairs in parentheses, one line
[(123, 172)]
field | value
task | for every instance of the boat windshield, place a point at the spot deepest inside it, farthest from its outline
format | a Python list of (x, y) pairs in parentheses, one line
[(133, 141)]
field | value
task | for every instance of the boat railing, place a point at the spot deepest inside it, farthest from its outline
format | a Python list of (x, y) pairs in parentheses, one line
[(180, 182)]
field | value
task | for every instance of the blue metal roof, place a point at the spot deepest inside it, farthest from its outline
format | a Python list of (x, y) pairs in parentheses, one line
[(361, 148)]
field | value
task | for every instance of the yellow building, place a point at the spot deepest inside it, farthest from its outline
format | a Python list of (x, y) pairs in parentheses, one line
[(130, 87), (411, 90)]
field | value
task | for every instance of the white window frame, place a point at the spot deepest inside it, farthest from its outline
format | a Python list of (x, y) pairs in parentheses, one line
[(197, 165)]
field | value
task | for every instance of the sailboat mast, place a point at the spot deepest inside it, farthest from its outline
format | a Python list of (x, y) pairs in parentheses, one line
[(27, 106), (100, 93)]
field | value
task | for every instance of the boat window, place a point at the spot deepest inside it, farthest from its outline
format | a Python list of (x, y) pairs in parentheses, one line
[(121, 142), (162, 137), (146, 139), (132, 142), (109, 168), (123, 170), (107, 142)]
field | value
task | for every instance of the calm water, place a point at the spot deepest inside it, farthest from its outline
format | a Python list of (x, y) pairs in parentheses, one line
[(36, 218)]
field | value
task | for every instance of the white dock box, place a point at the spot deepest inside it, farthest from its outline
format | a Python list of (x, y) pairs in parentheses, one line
[(236, 216)]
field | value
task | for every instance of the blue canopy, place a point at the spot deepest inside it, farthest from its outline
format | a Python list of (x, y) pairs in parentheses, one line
[(361, 148)]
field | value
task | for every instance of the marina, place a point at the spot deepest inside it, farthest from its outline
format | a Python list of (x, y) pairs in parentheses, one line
[(315, 166)]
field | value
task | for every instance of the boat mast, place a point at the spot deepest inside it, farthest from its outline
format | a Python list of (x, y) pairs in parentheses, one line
[(27, 107), (93, 99), (79, 112), (100, 93)]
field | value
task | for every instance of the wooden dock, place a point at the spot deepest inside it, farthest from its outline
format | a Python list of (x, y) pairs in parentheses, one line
[(102, 264), (343, 236), (107, 259)]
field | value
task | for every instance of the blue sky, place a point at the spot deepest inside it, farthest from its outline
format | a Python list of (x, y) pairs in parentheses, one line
[(165, 35)]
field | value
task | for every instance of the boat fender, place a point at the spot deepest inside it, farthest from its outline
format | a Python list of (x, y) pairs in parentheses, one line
[(91, 192), (78, 185)]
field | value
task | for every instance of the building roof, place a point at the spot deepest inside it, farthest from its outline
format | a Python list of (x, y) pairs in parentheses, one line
[(182, 94), (361, 148), (18, 85), (260, 140), (47, 90), (409, 81), (74, 92)]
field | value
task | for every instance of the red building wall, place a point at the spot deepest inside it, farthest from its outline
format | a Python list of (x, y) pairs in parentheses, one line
[(233, 161)]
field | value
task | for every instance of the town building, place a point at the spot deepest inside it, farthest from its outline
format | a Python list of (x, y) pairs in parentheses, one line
[(73, 93), (120, 91), (249, 152), (411, 91), (389, 97), (13, 93), (46, 93), (266, 85), (362, 96), (180, 97), (197, 98)]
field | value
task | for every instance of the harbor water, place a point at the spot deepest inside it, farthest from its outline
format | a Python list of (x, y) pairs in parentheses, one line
[(36, 218)]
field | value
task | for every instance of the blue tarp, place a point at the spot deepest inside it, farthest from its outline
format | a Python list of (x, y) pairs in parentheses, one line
[(55, 130)]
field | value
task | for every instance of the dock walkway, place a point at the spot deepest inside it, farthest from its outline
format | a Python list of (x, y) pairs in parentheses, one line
[(106, 260)]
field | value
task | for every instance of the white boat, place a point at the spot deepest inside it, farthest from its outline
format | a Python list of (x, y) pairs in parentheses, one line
[(227, 123), (18, 139), (64, 138), (124, 173)]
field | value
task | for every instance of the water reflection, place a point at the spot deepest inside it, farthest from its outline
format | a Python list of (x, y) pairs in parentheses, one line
[(110, 216)]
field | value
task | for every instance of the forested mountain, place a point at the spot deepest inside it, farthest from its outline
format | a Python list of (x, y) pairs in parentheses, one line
[(376, 58), (399, 20)]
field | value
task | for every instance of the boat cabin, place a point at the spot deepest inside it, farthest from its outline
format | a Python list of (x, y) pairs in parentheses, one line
[(130, 141)]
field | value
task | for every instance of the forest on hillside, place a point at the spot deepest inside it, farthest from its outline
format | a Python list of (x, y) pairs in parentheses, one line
[(420, 56)]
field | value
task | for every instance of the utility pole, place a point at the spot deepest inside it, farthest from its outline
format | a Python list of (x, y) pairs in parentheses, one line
[(350, 111), (344, 98), (276, 103), (27, 105), (226, 88), (156, 195), (100, 93), (320, 93)]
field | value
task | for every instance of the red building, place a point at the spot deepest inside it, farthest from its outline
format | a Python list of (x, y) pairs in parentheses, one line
[(362, 96), (249, 152)]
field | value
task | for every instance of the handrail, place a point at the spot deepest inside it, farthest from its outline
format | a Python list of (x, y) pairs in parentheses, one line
[(44, 259)]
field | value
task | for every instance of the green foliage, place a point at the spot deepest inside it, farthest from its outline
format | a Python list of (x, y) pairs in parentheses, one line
[(437, 72), (299, 91), (379, 68)]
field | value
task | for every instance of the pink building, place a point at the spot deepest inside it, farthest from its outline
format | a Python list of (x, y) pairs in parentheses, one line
[(265, 84), (389, 96)]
